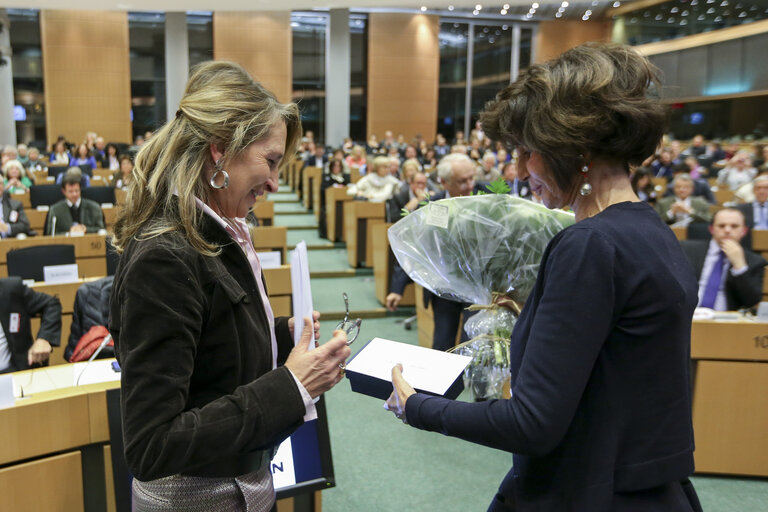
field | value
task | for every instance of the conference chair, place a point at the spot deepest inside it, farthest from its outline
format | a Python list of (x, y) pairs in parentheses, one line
[(87, 169), (55, 170), (699, 231), (45, 195), (101, 195), (28, 262)]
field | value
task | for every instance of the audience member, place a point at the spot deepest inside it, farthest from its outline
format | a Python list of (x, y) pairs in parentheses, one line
[(318, 158), (60, 155), (441, 146), (737, 172), (696, 148), (85, 180), (662, 167), (18, 349), (73, 214), (356, 157), (409, 196), (9, 153), (15, 177), (111, 158), (756, 212), (377, 185), (35, 163), (517, 187), (700, 186), (730, 277), (683, 207), (23, 154), (99, 152), (13, 220), (82, 157), (643, 186), (487, 170), (123, 176)]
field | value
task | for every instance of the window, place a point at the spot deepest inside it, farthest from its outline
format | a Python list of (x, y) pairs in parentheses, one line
[(453, 75), (491, 65), (146, 33), (27, 66), (309, 31), (358, 107), (200, 36)]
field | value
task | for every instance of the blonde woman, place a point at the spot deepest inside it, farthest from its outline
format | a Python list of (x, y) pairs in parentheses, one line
[(15, 177), (378, 185), (211, 381)]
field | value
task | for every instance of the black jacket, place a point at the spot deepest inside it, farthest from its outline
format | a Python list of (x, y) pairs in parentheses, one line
[(199, 395), (743, 291), (17, 299), (91, 308), (18, 221)]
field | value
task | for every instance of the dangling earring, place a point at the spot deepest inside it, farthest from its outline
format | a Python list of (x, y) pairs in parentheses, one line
[(586, 188), (219, 169)]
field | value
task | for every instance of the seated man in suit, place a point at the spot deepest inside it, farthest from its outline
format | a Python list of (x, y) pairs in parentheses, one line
[(409, 197), (18, 303), (517, 187), (756, 212), (700, 186), (456, 173), (730, 277), (683, 206), (74, 214), (13, 220)]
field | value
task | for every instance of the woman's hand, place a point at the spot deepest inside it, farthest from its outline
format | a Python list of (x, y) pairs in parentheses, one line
[(319, 369), (315, 318), (402, 390)]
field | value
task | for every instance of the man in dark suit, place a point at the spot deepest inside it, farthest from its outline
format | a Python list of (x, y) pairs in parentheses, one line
[(74, 214), (317, 158), (683, 206), (756, 212), (409, 197), (13, 220), (456, 173), (517, 187), (18, 303), (730, 277)]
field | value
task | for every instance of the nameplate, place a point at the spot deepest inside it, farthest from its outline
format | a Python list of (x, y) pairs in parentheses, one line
[(42, 208), (6, 391), (75, 234), (270, 259), (59, 274)]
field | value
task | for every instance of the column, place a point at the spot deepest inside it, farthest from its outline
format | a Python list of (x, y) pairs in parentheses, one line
[(176, 60), (337, 77), (7, 124)]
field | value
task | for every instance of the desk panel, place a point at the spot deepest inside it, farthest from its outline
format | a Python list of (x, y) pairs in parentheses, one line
[(50, 484)]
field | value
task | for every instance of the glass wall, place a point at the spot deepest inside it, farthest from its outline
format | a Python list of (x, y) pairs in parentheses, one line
[(27, 63), (309, 31), (200, 36), (146, 33), (679, 18), (477, 58), (358, 40), (453, 39)]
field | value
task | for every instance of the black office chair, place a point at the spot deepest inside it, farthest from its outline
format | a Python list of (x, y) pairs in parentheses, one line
[(28, 263), (87, 169), (121, 476), (100, 194), (699, 231), (55, 170), (45, 195)]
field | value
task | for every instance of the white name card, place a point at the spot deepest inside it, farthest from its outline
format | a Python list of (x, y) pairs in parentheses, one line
[(270, 259), (6, 391), (58, 274)]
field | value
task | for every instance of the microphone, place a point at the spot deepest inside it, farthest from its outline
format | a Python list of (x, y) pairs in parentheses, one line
[(96, 352), (53, 228)]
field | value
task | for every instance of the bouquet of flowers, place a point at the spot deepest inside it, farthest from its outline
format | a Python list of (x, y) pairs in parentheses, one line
[(479, 249)]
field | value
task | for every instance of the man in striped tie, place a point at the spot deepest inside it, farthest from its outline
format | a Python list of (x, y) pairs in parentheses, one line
[(730, 277)]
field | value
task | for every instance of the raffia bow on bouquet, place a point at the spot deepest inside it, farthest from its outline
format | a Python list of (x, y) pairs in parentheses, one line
[(484, 250)]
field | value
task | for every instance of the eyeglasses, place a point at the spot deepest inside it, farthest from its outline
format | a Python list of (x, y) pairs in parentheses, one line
[(352, 328)]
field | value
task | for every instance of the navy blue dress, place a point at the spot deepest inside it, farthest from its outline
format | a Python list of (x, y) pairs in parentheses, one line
[(600, 414)]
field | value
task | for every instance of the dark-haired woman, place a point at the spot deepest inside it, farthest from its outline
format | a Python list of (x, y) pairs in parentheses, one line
[(336, 176), (642, 185), (600, 414), (112, 157)]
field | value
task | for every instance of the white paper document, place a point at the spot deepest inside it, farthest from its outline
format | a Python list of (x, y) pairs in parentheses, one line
[(424, 368), (270, 259), (301, 289), (58, 274), (6, 391)]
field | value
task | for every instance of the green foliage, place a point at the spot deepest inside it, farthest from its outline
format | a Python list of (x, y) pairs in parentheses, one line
[(499, 186)]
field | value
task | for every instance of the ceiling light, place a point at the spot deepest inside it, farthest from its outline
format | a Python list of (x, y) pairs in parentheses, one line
[(694, 2), (742, 14), (503, 12), (588, 13), (633, 20), (674, 10), (535, 5), (658, 17), (564, 4), (478, 7), (616, 4), (711, 10), (475, 12), (559, 15), (423, 8), (505, 7), (450, 7), (724, 3), (594, 3), (701, 17), (670, 20), (683, 22), (718, 19), (585, 18), (685, 13), (504, 27), (529, 15)]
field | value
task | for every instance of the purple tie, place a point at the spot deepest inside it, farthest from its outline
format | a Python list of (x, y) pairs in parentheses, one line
[(713, 283)]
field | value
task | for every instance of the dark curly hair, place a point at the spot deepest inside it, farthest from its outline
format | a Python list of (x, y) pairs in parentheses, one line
[(596, 99)]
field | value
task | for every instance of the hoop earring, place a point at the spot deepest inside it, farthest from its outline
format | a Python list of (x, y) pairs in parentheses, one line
[(219, 169), (586, 188)]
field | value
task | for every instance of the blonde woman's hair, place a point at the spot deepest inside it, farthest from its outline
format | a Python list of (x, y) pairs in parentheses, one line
[(222, 105), (18, 165)]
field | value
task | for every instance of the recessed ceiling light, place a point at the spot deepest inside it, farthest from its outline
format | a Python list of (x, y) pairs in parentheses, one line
[(504, 27), (528, 15), (506, 7), (478, 7), (585, 18), (711, 10), (674, 10), (559, 15), (535, 5), (503, 12), (724, 3), (683, 22), (670, 20), (616, 4), (588, 13), (742, 14), (701, 17), (423, 8), (684, 13), (659, 17), (450, 7), (564, 4), (718, 19), (475, 12)]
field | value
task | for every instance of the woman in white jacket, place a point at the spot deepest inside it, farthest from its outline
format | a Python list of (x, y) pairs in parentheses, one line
[(376, 186)]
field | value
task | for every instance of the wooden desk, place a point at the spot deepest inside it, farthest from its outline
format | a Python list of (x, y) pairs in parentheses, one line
[(310, 176), (279, 289), (120, 195), (730, 404), (23, 199), (723, 195), (383, 262), (271, 238), (426, 322), (37, 218), (680, 232), (354, 174), (62, 436), (335, 197), (264, 210), (90, 251), (317, 184), (359, 219)]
